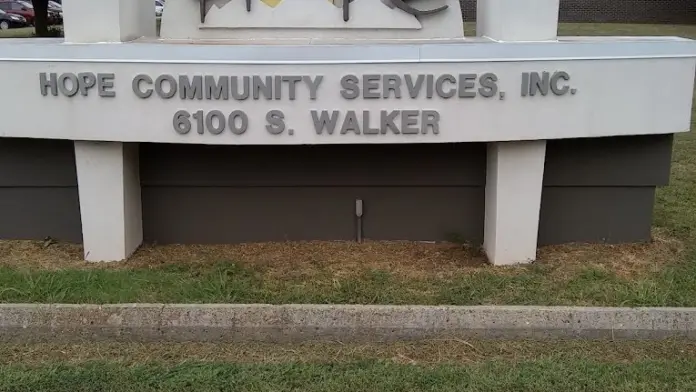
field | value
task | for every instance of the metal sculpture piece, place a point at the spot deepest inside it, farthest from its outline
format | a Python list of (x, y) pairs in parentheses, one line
[(400, 4)]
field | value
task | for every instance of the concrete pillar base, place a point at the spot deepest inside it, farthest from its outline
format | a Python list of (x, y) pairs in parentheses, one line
[(110, 207), (517, 20), (514, 178), (89, 21)]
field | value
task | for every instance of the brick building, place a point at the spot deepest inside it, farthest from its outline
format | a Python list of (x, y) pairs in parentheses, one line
[(617, 11)]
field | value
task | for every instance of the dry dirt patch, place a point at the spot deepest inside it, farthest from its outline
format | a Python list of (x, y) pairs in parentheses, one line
[(409, 260)]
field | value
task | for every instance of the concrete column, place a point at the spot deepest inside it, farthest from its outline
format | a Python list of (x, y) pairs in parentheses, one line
[(107, 172), (89, 21), (515, 169), (514, 179), (517, 20), (108, 178)]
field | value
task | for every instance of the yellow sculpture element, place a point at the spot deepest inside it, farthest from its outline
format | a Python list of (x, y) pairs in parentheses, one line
[(274, 3), (271, 3)]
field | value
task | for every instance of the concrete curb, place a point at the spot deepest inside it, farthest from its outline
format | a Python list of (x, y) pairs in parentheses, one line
[(347, 323)]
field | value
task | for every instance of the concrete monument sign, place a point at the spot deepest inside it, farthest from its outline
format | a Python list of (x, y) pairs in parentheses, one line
[(416, 129)]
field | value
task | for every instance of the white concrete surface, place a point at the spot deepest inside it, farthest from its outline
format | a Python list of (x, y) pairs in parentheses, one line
[(517, 20), (110, 204), (514, 177), (515, 170), (291, 19), (613, 97), (107, 20)]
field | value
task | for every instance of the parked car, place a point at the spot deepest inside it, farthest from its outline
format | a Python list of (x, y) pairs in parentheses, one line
[(159, 8), (21, 8), (55, 6), (26, 9), (11, 21), (55, 16)]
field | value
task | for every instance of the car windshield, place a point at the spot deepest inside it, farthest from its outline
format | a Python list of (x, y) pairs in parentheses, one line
[(26, 4)]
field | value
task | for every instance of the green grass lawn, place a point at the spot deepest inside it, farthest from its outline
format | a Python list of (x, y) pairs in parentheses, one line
[(24, 32), (366, 376), (407, 366), (662, 273)]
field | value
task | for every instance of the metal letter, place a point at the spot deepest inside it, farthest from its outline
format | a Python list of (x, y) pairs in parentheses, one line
[(414, 88), (350, 123), (190, 89), (392, 83), (554, 83), (48, 83), (313, 85), (88, 81), (172, 86), (439, 84), (409, 119), (366, 125), (181, 122), (74, 84), (235, 88), (292, 85), (200, 121), (136, 86), (370, 84), (539, 83), (262, 87), (210, 124), (351, 90), (232, 122), (105, 82), (276, 125), (525, 84), (431, 119), (323, 121), (430, 86), (489, 87), (219, 89), (277, 87), (466, 81), (387, 122)]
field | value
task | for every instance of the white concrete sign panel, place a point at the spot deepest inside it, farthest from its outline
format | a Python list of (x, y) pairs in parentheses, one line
[(211, 100)]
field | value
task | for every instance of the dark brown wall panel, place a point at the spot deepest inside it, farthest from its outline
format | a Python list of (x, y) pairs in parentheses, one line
[(609, 161), (37, 162), (325, 165), (38, 190), (37, 213), (595, 214), (219, 194), (252, 214)]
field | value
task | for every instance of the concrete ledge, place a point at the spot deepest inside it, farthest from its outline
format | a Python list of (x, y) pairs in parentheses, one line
[(24, 323)]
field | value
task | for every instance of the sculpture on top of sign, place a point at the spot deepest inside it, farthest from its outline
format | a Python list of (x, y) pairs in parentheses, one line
[(344, 4), (312, 19)]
